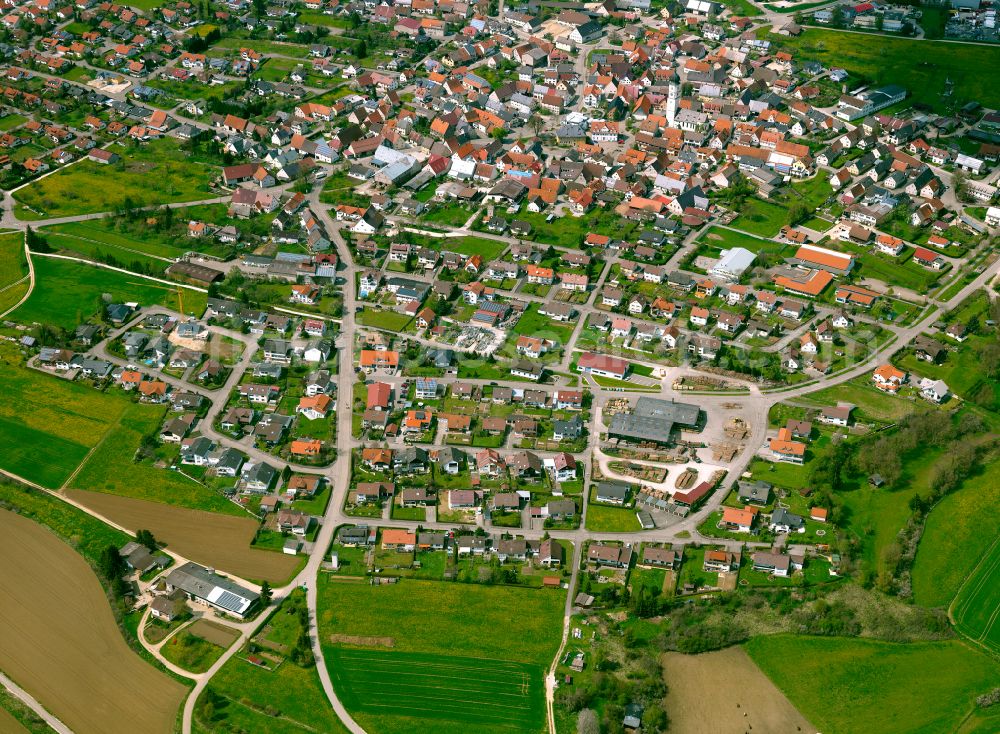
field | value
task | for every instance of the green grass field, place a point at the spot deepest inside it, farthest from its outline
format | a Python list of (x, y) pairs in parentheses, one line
[(146, 4), (388, 320), (977, 607), (268, 47), (111, 469), (242, 690), (100, 237), (958, 530), (534, 324), (872, 516), (766, 218), (920, 66), (324, 20), (449, 215), (741, 7), (157, 173), (440, 649), (570, 231), (191, 652), (872, 405), (857, 685), (961, 371), (606, 519), (418, 692), (10, 121), (68, 293), (875, 516), (48, 425), (727, 238), (624, 385), (12, 264), (99, 251), (763, 218), (489, 249), (893, 271)]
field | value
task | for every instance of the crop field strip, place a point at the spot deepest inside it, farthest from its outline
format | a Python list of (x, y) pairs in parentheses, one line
[(62, 421), (977, 605), (473, 690)]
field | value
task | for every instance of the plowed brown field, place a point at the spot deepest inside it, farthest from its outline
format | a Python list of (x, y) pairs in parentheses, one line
[(59, 640), (219, 541)]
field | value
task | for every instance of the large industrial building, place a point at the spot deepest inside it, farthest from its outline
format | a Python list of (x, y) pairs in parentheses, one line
[(653, 421)]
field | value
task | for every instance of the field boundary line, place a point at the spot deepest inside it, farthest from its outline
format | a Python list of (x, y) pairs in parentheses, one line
[(31, 282), (83, 462), (109, 244), (28, 700), (172, 283), (16, 282)]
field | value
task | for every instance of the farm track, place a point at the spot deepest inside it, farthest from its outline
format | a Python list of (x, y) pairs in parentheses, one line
[(63, 235), (31, 281)]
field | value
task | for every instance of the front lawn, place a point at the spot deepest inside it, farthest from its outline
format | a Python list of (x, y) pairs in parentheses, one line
[(388, 320), (607, 519)]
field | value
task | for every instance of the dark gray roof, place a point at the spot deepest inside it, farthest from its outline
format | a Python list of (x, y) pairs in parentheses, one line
[(205, 584), (782, 516), (757, 491), (654, 419), (614, 490)]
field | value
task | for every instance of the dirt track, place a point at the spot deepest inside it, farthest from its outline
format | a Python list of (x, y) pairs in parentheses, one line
[(59, 640), (363, 641), (219, 541), (704, 691)]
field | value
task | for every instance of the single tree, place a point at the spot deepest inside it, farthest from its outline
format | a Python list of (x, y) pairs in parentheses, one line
[(145, 537)]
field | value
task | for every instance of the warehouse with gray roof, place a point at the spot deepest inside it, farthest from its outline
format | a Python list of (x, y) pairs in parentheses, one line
[(653, 421)]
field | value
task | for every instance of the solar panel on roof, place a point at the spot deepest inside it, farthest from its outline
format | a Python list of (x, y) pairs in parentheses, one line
[(229, 600)]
